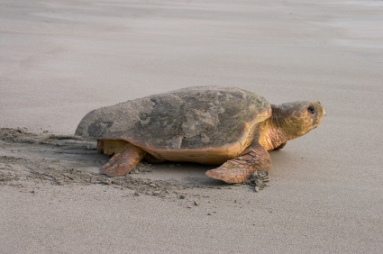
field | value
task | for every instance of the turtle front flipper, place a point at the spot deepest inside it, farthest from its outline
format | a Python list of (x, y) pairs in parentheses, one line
[(240, 169), (124, 161)]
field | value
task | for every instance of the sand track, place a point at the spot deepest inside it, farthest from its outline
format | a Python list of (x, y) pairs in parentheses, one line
[(63, 160)]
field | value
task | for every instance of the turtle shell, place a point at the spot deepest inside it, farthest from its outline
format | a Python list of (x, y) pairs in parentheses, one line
[(204, 119)]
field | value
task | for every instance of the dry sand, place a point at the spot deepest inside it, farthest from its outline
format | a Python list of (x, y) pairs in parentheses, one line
[(60, 59)]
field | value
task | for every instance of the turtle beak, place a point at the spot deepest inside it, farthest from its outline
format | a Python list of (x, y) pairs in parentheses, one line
[(324, 111)]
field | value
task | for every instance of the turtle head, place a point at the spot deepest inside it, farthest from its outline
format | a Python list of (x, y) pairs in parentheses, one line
[(297, 118)]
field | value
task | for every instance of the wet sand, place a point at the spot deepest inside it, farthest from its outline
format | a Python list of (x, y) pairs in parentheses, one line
[(61, 59)]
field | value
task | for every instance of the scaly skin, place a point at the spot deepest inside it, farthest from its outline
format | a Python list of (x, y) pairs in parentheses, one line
[(123, 162), (239, 169)]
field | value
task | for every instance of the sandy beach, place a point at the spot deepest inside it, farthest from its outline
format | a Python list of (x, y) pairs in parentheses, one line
[(61, 59)]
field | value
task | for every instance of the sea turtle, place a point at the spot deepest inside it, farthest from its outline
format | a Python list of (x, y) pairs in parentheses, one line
[(225, 126)]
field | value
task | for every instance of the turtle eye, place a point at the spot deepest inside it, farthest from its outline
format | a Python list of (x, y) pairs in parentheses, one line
[(311, 109)]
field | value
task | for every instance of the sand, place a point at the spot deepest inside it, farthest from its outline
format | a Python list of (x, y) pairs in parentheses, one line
[(60, 59)]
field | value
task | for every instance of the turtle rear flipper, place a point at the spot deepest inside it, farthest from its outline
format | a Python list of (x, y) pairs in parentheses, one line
[(239, 170), (123, 162)]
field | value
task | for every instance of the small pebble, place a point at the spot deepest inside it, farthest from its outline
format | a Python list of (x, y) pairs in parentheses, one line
[(156, 193), (257, 189), (196, 203), (182, 196), (136, 194), (106, 181), (258, 182)]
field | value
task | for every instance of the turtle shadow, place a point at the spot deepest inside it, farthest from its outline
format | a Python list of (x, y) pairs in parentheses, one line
[(189, 174)]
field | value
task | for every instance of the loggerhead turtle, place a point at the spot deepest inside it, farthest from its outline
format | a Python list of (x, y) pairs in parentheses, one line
[(225, 126)]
